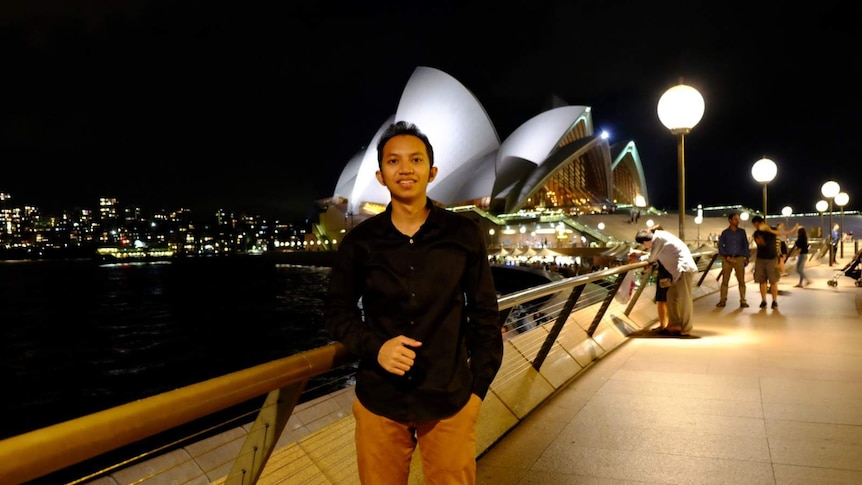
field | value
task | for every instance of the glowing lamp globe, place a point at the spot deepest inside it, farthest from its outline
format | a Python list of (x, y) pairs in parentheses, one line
[(786, 211), (764, 170), (830, 189), (842, 199), (680, 108), (821, 205)]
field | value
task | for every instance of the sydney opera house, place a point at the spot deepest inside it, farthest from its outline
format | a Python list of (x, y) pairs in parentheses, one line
[(529, 188)]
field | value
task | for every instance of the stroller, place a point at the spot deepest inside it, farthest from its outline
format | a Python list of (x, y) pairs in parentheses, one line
[(852, 270)]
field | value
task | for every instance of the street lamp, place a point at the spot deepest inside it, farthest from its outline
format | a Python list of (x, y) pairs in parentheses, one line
[(842, 199), (744, 216), (821, 206), (786, 211), (829, 190), (763, 171), (680, 108), (698, 219)]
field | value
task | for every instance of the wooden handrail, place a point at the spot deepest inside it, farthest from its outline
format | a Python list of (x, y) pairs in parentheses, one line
[(38, 453)]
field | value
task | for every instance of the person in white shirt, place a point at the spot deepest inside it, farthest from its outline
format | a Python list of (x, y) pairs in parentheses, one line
[(675, 256)]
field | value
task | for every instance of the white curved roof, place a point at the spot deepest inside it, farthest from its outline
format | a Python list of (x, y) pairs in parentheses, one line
[(366, 188), (539, 136), (472, 162)]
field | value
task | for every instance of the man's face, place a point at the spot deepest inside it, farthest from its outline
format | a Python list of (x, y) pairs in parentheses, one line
[(405, 168), (734, 220)]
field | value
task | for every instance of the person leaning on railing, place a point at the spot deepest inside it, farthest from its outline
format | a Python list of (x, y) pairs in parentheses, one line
[(675, 256)]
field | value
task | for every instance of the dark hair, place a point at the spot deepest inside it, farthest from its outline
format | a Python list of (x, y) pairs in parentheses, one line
[(756, 219), (801, 232), (644, 235), (730, 216), (402, 128)]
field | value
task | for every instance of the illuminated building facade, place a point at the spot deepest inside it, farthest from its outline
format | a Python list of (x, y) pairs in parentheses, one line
[(549, 170)]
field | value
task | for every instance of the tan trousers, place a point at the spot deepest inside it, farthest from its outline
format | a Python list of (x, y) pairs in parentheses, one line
[(384, 448), (737, 266), (680, 303)]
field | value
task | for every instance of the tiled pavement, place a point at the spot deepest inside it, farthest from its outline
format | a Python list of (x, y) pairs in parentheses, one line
[(761, 396)]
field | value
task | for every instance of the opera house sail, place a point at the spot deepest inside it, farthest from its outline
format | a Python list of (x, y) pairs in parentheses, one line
[(553, 163)]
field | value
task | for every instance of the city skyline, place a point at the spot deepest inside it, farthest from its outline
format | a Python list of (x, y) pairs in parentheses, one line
[(260, 109), (10, 201)]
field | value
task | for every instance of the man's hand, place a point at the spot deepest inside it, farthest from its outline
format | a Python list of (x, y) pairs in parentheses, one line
[(396, 355)]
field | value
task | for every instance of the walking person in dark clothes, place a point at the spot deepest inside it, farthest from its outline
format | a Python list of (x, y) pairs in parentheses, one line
[(766, 264)]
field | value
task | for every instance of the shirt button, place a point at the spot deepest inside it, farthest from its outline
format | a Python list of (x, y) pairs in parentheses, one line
[(412, 295), (412, 322), (412, 268), (411, 240)]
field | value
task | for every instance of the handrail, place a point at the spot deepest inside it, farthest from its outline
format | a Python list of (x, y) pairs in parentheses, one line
[(38, 453), (41, 452)]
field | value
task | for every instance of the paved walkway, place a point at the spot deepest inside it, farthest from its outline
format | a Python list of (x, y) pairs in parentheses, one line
[(761, 397)]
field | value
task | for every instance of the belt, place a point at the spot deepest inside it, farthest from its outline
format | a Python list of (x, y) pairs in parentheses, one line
[(737, 256)]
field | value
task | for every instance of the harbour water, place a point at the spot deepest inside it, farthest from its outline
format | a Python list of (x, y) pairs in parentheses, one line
[(78, 337)]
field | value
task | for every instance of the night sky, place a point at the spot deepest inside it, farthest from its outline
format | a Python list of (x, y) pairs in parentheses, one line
[(257, 106)]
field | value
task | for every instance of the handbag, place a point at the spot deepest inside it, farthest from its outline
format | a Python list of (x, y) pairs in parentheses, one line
[(665, 282)]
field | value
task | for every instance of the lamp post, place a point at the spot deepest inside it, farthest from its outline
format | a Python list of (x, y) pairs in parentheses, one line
[(821, 206), (640, 203), (763, 171), (698, 219), (786, 211), (842, 199), (829, 190), (680, 108)]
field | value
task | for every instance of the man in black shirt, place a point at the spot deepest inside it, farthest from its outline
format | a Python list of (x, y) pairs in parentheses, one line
[(766, 264), (412, 295)]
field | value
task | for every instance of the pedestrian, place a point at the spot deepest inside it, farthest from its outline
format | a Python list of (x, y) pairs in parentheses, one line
[(783, 253), (766, 262), (800, 250), (734, 251), (836, 234), (674, 255), (411, 294)]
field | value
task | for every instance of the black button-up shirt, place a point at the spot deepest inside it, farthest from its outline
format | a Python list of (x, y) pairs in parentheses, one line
[(435, 287)]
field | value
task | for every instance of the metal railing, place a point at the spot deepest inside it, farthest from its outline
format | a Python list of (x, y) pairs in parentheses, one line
[(565, 324)]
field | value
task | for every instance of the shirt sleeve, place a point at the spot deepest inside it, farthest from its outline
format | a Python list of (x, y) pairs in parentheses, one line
[(484, 336), (655, 249), (342, 314)]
